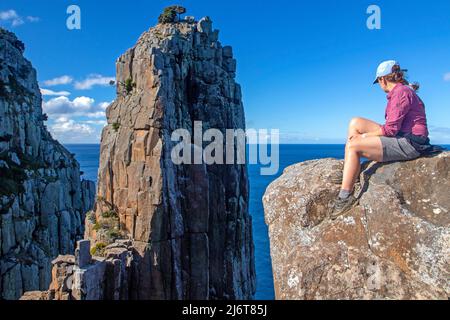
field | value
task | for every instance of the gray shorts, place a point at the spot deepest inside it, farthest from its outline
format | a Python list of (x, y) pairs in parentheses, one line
[(398, 149)]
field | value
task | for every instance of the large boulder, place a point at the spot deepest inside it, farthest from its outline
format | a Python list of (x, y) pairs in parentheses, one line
[(394, 244)]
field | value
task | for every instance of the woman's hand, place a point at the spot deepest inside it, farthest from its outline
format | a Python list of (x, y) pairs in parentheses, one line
[(366, 135), (354, 137)]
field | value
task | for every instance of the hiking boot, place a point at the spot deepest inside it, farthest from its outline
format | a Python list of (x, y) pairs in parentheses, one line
[(341, 206)]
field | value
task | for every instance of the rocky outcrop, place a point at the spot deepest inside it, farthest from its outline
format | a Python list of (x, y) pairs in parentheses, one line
[(42, 202), (189, 224), (393, 245), (84, 277)]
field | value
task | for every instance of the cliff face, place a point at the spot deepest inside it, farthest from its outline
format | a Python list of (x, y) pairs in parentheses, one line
[(190, 226), (393, 245), (42, 204)]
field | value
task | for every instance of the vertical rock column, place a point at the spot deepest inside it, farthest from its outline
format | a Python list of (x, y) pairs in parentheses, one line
[(42, 200), (190, 225)]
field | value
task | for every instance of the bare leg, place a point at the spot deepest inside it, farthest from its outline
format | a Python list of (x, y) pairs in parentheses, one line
[(352, 165), (370, 148), (360, 126), (357, 127)]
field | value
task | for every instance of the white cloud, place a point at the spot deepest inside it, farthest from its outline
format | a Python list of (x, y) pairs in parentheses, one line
[(83, 103), (96, 122), (67, 130), (447, 76), (80, 106), (93, 80), (64, 124), (8, 15), (14, 19), (17, 22), (98, 114), (63, 105), (104, 105), (33, 19), (58, 81), (47, 92)]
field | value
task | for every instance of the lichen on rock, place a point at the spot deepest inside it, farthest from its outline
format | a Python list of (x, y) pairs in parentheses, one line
[(393, 245)]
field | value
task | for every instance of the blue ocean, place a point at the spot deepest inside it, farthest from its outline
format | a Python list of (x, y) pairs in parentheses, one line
[(88, 157)]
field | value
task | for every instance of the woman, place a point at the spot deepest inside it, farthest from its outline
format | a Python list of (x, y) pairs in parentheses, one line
[(403, 137)]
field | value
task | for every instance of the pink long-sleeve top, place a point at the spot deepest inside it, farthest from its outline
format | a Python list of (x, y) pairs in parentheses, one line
[(405, 113)]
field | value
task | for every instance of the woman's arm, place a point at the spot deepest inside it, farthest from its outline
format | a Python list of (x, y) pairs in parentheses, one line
[(397, 110), (377, 133)]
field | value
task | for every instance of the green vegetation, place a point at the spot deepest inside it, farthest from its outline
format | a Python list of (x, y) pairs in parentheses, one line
[(90, 216), (108, 228), (116, 126), (107, 224), (97, 226), (129, 85), (109, 214), (169, 14), (107, 221), (113, 234), (99, 249)]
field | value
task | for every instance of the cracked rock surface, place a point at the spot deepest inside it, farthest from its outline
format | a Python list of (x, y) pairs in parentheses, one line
[(190, 225), (42, 200), (393, 245)]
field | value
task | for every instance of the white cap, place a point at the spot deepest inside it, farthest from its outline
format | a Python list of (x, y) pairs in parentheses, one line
[(384, 69)]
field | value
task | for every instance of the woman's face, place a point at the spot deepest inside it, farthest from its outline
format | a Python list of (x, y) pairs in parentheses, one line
[(383, 84)]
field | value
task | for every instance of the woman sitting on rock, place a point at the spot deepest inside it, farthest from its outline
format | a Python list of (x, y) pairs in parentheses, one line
[(403, 137)]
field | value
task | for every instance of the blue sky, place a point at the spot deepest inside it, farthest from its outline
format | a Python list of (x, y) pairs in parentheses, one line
[(306, 67)]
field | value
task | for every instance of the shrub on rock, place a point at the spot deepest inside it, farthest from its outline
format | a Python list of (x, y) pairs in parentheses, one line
[(169, 14)]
